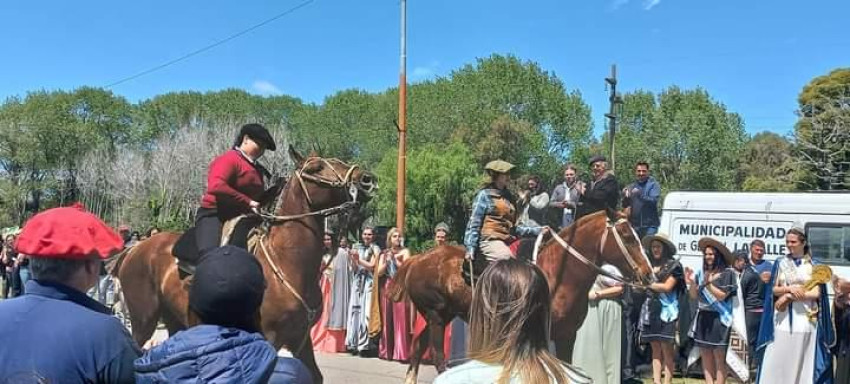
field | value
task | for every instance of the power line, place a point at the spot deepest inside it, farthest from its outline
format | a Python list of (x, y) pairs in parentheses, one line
[(211, 46)]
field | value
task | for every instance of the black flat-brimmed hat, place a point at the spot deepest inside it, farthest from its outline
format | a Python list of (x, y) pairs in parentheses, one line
[(257, 133), (597, 158)]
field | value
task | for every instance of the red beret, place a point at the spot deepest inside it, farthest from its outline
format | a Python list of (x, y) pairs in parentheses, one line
[(67, 233)]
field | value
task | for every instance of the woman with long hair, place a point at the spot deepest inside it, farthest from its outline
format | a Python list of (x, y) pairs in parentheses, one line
[(660, 313), (713, 287), (509, 331), (395, 338), (796, 328), (326, 338)]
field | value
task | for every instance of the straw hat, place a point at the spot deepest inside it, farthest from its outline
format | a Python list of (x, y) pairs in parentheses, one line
[(712, 242), (661, 237)]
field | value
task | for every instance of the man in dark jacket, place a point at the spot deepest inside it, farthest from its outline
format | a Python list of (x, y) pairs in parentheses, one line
[(227, 346), (54, 333), (642, 196), (602, 194)]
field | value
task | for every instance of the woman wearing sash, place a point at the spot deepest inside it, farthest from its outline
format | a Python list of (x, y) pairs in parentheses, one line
[(796, 329), (713, 287), (660, 313)]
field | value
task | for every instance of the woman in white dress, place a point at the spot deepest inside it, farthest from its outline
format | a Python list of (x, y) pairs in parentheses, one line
[(796, 329)]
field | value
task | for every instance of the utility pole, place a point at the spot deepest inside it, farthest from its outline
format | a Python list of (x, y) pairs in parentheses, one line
[(613, 99), (401, 176)]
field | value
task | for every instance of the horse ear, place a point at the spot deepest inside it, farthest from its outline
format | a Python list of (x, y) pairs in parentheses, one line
[(295, 156)]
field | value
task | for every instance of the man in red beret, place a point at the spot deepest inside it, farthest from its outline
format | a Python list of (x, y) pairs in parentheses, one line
[(59, 334)]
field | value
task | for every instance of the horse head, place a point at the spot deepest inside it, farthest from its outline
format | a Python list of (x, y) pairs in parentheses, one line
[(329, 183), (622, 248)]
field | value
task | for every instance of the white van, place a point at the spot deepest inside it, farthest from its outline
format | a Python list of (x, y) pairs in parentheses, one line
[(737, 218)]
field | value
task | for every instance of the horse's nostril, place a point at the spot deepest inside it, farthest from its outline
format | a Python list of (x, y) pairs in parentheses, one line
[(366, 179)]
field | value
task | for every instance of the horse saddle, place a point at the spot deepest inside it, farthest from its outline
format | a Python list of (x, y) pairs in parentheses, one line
[(236, 231), (522, 249)]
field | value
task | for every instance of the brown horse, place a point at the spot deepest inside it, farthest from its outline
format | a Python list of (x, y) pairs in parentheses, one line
[(290, 254), (434, 283)]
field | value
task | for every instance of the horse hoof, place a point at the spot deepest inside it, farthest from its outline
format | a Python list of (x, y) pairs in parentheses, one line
[(410, 379)]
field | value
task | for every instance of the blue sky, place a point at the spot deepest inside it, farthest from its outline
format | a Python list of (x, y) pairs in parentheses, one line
[(754, 56)]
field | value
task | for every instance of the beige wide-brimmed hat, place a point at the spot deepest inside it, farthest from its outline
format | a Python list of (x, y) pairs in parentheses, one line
[(712, 242), (660, 237)]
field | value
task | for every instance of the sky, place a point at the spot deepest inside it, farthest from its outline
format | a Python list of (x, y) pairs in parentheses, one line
[(753, 56)]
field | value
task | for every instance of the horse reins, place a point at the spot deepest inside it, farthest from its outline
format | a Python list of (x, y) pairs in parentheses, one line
[(575, 253), (340, 182)]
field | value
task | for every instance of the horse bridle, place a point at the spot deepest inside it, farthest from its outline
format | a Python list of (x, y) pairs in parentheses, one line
[(342, 181), (622, 248)]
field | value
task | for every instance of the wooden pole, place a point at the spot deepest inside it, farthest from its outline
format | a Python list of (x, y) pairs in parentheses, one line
[(612, 114), (401, 176)]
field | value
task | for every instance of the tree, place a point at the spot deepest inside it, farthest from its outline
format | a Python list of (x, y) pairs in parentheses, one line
[(441, 181), (690, 140), (822, 132), (765, 164)]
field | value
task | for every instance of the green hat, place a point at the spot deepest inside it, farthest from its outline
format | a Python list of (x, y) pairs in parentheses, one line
[(499, 166)]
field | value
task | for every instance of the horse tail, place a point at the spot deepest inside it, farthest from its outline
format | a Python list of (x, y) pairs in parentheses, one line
[(113, 265), (397, 288)]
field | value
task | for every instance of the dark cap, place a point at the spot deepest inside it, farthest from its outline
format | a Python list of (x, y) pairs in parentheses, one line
[(227, 288), (257, 133), (597, 158)]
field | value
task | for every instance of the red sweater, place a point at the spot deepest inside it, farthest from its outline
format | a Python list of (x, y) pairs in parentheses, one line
[(232, 182)]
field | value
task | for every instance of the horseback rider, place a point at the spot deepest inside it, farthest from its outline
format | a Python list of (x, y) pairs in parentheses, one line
[(492, 223), (235, 185)]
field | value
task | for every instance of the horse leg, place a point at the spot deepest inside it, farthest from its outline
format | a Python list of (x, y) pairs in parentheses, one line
[(420, 343), (438, 337), (143, 304), (564, 344), (307, 357)]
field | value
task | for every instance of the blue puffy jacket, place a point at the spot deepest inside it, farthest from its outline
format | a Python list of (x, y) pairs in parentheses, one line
[(214, 354)]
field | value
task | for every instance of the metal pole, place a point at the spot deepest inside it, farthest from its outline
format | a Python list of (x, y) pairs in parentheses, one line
[(401, 176), (611, 115)]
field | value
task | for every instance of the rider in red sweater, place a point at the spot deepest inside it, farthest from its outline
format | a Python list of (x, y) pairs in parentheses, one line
[(235, 185)]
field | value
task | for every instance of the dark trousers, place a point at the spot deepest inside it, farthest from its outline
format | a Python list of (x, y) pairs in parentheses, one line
[(631, 357), (208, 227), (753, 321)]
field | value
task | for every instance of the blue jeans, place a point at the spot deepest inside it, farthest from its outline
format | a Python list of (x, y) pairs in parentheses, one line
[(646, 231), (24, 273)]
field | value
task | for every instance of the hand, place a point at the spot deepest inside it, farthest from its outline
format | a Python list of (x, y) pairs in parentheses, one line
[(581, 188), (689, 276), (797, 292), (782, 303), (592, 295), (626, 192), (635, 191), (546, 229), (468, 256)]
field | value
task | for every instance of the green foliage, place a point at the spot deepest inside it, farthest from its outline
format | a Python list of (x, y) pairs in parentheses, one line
[(765, 164), (823, 131), (690, 140), (441, 181)]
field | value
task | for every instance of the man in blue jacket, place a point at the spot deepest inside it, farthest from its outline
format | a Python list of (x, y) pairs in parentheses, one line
[(227, 346), (642, 197), (55, 333)]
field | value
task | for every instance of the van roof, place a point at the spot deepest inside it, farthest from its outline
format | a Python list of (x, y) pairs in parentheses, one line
[(835, 203)]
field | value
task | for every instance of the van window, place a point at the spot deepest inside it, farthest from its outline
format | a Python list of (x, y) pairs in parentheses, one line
[(830, 242)]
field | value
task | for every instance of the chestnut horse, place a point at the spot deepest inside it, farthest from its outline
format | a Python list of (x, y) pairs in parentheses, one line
[(434, 283), (290, 254)]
